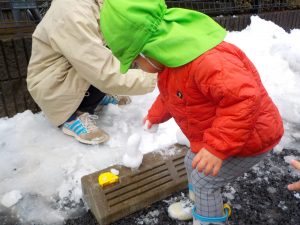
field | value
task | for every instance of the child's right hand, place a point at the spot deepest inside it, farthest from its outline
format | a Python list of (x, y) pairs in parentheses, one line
[(206, 162), (295, 186), (148, 126)]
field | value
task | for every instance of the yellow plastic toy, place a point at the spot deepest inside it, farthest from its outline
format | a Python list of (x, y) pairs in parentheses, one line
[(107, 178)]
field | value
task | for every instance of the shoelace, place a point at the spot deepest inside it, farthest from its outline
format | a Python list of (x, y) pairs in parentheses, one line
[(89, 121)]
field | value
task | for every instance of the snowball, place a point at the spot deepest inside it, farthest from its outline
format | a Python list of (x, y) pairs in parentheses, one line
[(133, 156), (114, 171), (132, 162), (11, 198)]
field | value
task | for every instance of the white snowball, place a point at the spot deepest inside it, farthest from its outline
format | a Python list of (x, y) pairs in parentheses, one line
[(133, 156), (114, 171), (132, 162), (11, 198)]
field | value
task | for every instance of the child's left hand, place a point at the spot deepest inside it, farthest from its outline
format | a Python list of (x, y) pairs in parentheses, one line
[(207, 162)]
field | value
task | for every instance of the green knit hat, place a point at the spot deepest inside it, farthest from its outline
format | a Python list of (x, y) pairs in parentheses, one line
[(173, 36)]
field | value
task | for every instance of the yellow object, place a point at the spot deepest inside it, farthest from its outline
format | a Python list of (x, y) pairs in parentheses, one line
[(227, 206), (107, 178)]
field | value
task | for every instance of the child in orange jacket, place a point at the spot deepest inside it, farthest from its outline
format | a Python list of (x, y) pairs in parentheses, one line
[(207, 85)]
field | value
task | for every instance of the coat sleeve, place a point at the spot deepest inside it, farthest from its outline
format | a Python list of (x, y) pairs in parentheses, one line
[(158, 113), (233, 89), (77, 38)]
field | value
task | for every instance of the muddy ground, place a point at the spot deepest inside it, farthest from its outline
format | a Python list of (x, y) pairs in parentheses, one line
[(259, 197)]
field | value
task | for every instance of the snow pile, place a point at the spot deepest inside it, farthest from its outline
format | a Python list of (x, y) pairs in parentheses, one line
[(41, 168)]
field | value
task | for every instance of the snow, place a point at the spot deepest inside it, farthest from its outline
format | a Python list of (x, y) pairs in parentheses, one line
[(149, 219), (133, 157), (41, 168), (11, 198), (114, 171), (152, 129)]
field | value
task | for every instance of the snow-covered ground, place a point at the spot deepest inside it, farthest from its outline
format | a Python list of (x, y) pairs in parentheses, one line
[(41, 168)]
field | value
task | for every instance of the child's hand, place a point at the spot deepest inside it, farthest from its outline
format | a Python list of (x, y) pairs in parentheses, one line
[(148, 126), (207, 163), (295, 186)]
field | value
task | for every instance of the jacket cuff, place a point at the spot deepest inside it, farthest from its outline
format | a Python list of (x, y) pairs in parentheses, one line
[(152, 77)]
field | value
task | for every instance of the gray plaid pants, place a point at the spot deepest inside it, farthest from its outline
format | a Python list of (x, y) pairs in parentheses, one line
[(207, 189)]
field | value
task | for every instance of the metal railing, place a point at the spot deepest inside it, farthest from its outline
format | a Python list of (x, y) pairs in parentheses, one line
[(21, 16), (15, 50)]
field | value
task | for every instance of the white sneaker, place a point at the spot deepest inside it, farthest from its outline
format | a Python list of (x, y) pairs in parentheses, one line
[(84, 129), (181, 210), (192, 196)]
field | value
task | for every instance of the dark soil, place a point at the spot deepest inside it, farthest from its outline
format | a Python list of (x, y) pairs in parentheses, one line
[(259, 197)]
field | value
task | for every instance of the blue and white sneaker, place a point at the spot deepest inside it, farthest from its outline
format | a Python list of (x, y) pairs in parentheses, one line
[(84, 129), (115, 99)]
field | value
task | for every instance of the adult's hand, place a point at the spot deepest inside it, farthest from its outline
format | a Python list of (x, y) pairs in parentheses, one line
[(206, 162), (295, 186)]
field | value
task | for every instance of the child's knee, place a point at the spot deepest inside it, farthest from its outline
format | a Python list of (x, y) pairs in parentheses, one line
[(200, 181)]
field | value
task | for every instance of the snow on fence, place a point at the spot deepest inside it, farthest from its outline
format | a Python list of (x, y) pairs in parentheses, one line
[(15, 41)]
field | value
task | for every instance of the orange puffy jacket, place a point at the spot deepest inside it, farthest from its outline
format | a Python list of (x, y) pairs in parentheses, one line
[(219, 103)]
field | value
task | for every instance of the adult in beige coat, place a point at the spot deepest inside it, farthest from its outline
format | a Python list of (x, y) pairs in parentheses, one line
[(69, 57)]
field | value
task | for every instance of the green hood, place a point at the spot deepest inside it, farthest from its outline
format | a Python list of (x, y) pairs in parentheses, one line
[(173, 36)]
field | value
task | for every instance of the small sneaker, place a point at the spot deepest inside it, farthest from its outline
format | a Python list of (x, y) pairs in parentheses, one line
[(84, 129), (192, 196), (115, 99), (181, 210)]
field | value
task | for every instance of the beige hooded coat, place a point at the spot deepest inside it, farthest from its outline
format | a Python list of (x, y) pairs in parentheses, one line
[(69, 55)]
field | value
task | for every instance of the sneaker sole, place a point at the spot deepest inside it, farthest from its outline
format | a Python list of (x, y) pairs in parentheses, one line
[(93, 142)]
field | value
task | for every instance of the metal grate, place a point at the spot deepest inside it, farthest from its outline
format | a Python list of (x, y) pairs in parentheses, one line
[(14, 97), (21, 16), (158, 177), (233, 7)]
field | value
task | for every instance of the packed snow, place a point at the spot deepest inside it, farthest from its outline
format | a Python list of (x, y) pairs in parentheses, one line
[(41, 168), (133, 157)]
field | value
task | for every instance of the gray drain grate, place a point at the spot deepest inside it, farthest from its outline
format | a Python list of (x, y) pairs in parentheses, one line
[(157, 178)]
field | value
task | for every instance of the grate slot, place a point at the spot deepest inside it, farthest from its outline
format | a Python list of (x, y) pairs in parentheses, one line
[(178, 161), (133, 186), (134, 178), (182, 173), (180, 167), (140, 191)]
